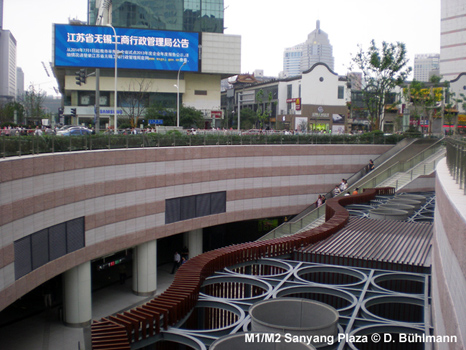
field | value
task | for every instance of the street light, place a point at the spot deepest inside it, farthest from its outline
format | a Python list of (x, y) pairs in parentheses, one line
[(178, 96), (116, 77)]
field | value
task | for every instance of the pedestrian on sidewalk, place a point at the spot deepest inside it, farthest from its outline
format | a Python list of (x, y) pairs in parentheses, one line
[(176, 262)]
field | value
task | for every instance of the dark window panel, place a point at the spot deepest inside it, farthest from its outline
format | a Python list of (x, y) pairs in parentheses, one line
[(172, 210), (57, 241), (188, 208), (203, 205), (40, 248), (74, 234), (218, 202), (23, 258)]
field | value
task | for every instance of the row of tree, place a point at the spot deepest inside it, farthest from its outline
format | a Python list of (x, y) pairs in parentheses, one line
[(27, 109), (135, 103), (385, 68)]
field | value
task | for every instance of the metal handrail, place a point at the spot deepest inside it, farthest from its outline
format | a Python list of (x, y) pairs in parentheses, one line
[(33, 144), (402, 166), (456, 161), (288, 228)]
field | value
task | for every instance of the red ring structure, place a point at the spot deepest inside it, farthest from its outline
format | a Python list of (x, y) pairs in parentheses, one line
[(120, 331)]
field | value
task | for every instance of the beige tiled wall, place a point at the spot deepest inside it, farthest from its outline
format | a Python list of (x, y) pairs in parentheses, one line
[(449, 259), (121, 193)]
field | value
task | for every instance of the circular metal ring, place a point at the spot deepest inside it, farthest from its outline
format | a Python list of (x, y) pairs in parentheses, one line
[(344, 271), (242, 279)]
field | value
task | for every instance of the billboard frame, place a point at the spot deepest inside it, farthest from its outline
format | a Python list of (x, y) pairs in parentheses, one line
[(172, 63)]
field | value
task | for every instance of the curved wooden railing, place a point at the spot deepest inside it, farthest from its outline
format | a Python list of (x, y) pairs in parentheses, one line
[(119, 331)]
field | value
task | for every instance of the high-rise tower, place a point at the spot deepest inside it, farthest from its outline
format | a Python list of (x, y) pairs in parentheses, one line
[(425, 66), (189, 16), (315, 49), (7, 62), (1, 14), (452, 39), (292, 60)]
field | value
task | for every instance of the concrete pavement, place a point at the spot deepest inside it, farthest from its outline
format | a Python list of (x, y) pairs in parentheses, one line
[(45, 331)]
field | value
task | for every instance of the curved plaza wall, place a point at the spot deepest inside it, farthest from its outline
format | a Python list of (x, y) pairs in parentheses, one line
[(121, 194), (449, 259)]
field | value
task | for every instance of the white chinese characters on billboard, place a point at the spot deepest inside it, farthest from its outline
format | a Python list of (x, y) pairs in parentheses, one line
[(92, 46)]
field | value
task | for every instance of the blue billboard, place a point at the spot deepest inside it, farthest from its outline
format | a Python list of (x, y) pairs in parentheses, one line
[(94, 47)]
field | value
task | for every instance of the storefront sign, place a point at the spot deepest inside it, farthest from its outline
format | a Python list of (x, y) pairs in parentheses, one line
[(296, 101), (216, 114), (320, 115)]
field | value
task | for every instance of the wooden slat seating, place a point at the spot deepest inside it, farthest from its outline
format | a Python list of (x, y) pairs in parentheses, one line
[(108, 335), (127, 324), (158, 313), (148, 321), (170, 307)]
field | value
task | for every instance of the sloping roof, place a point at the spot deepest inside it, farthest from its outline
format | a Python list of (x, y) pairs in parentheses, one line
[(245, 79), (395, 245)]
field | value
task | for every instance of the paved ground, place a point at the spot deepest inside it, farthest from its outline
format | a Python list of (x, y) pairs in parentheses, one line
[(45, 331)]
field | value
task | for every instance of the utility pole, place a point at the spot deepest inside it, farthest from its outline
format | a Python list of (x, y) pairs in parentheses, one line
[(105, 8), (97, 100)]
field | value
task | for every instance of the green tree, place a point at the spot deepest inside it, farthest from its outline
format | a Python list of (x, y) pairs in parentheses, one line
[(32, 102), (263, 108), (248, 118), (190, 117), (134, 101), (452, 107), (449, 111), (158, 111), (424, 99), (382, 69), (11, 113), (435, 79)]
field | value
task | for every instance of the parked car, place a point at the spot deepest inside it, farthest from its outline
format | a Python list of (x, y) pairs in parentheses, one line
[(74, 131)]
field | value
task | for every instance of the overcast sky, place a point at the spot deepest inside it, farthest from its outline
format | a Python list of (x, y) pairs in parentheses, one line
[(266, 29)]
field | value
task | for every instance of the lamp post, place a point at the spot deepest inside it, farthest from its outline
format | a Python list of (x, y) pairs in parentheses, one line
[(240, 94), (116, 77), (178, 96)]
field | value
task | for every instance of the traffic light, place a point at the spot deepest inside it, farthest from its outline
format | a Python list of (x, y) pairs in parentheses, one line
[(81, 76), (73, 111), (78, 78)]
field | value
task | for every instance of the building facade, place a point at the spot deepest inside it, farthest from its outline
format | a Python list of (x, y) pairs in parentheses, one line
[(316, 49), (324, 98), (426, 66), (19, 82), (452, 39), (314, 101), (130, 199), (188, 16), (292, 61), (214, 56), (7, 66)]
